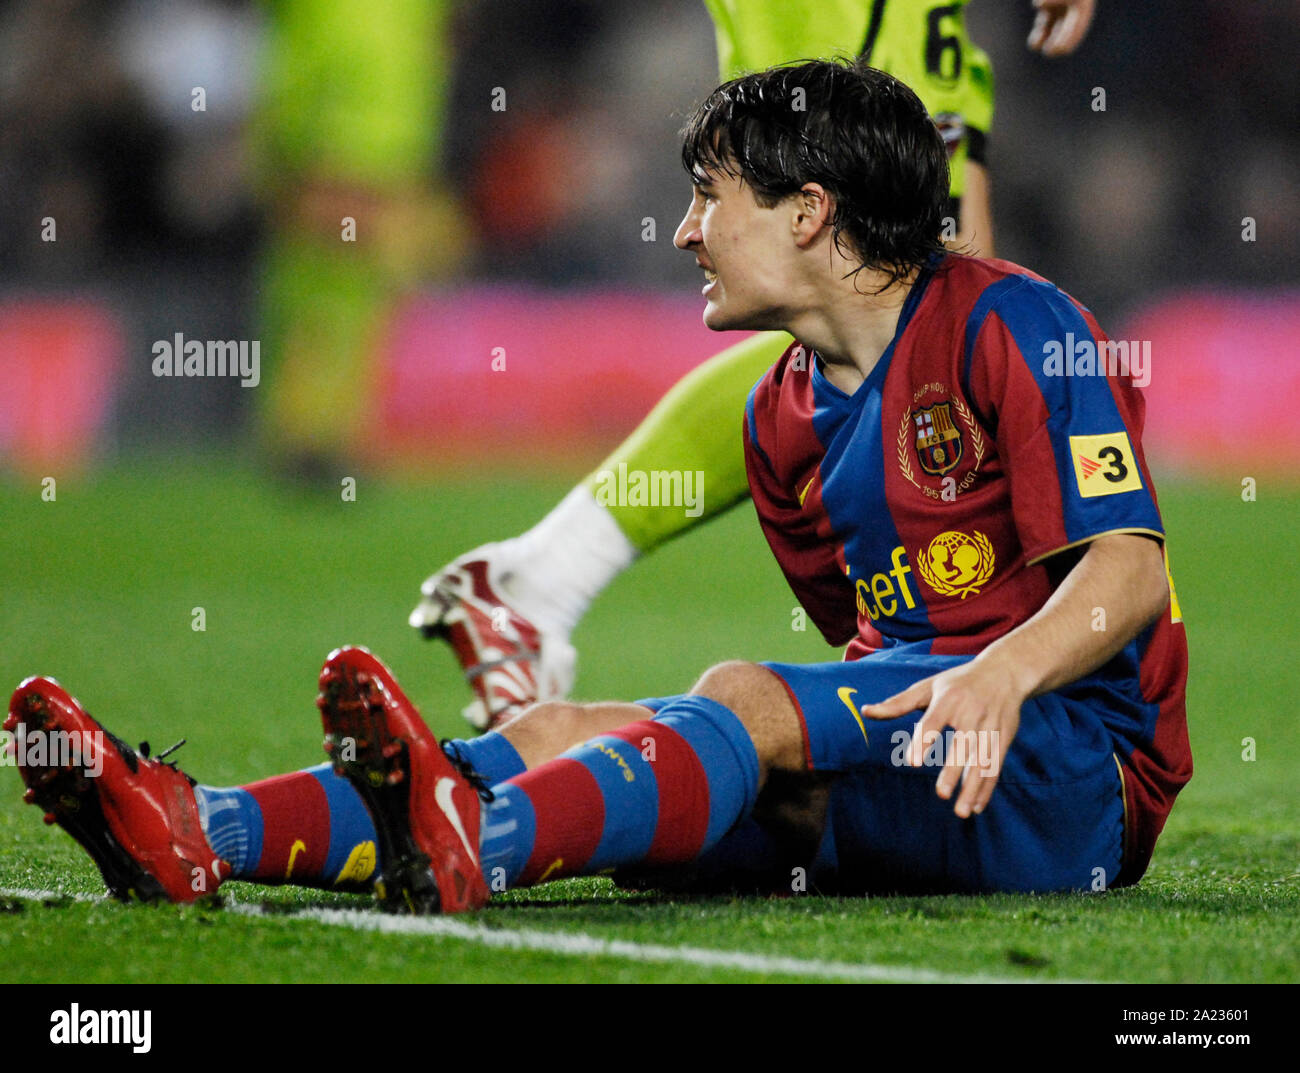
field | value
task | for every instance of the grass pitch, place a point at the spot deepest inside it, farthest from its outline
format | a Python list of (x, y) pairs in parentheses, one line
[(100, 588)]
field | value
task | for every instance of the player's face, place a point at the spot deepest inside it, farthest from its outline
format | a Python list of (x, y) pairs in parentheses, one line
[(741, 246)]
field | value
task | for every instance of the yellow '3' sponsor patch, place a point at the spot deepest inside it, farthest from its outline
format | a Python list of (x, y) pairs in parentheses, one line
[(1104, 465)]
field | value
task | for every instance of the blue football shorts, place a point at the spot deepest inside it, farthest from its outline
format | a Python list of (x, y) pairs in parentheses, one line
[(1055, 820)]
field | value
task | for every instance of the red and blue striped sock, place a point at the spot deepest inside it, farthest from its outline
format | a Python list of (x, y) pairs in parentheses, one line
[(659, 791), (309, 828)]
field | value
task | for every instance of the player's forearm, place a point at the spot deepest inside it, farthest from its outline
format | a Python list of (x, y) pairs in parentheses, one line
[(1113, 593), (976, 234)]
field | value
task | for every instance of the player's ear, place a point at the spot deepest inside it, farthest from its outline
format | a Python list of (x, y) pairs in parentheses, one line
[(814, 209)]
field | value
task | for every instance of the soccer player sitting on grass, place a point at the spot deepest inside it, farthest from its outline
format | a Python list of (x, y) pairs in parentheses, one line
[(1010, 712), (508, 608)]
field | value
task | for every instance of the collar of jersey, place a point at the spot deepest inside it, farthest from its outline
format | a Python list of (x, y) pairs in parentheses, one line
[(823, 387)]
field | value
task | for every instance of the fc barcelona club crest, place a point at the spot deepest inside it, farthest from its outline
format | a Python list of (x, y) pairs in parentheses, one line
[(938, 439), (940, 434)]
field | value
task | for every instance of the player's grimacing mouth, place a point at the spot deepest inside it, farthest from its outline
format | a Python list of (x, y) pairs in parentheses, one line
[(710, 276)]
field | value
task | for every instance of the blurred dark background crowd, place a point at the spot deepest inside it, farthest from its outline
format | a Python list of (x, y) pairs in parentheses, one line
[(164, 212)]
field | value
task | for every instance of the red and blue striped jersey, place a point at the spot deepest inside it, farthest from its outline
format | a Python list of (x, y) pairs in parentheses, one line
[(943, 501)]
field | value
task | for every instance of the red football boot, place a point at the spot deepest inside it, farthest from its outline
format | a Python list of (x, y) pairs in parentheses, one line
[(509, 661), (135, 816), (425, 808)]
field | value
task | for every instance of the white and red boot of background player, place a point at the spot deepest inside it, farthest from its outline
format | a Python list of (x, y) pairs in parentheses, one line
[(137, 818), (426, 809), (510, 661)]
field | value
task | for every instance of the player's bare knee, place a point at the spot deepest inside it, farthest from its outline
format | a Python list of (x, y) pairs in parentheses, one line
[(735, 681), (545, 730), (761, 703)]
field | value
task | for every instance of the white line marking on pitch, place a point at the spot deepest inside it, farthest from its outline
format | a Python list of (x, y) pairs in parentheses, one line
[(580, 944), (29, 895)]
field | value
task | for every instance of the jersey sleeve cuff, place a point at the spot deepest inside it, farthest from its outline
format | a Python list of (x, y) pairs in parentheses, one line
[(1141, 531)]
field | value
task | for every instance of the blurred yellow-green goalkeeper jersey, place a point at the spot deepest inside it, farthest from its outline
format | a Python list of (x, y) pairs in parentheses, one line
[(923, 44)]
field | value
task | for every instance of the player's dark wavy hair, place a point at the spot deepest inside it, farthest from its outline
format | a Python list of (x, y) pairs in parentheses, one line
[(857, 131)]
